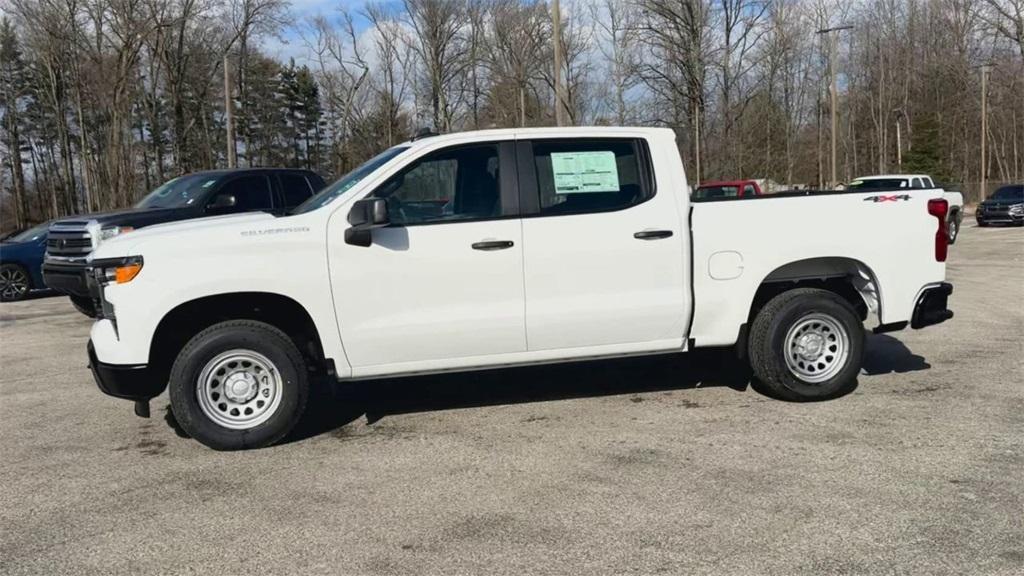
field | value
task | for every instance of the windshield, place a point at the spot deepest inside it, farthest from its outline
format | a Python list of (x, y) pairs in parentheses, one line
[(706, 192), (30, 234), (349, 180), (1009, 193), (180, 192), (879, 184)]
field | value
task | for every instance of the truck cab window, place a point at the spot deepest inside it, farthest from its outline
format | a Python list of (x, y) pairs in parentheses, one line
[(295, 189), (449, 185), (251, 192), (588, 176)]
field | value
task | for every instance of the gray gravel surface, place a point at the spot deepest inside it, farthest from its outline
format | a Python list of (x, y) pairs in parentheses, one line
[(642, 466)]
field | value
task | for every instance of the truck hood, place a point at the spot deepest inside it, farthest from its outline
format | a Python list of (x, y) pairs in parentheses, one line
[(135, 217), (181, 232)]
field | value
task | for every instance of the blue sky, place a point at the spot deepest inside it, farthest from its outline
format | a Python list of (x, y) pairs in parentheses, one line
[(291, 45)]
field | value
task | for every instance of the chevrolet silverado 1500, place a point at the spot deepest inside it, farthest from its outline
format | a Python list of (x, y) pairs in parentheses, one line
[(499, 248)]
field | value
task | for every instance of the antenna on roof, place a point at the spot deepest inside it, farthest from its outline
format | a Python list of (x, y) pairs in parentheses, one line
[(423, 133)]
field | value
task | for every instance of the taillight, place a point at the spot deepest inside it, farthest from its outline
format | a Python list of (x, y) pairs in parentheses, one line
[(938, 207)]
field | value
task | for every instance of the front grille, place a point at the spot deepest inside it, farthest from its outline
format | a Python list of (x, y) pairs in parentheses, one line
[(68, 242)]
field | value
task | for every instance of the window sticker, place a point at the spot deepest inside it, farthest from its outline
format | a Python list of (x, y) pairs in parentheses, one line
[(577, 172)]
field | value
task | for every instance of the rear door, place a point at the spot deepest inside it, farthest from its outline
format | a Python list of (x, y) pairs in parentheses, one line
[(603, 246)]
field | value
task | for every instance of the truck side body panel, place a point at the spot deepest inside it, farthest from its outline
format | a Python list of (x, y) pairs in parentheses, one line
[(738, 244)]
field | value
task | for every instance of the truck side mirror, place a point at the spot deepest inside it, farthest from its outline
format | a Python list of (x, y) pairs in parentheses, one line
[(366, 214), (222, 203)]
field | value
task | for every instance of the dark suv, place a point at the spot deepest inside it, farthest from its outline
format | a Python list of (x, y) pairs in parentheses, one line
[(1005, 206), (210, 193)]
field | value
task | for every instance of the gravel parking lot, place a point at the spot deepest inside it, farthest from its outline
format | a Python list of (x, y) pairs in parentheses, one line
[(654, 465)]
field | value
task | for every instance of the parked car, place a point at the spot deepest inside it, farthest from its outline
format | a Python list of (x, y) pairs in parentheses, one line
[(211, 193), (727, 189), (589, 248), (916, 182), (1004, 206), (21, 256)]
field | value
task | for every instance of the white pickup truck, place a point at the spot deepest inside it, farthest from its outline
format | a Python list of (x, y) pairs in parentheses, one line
[(500, 248), (905, 183)]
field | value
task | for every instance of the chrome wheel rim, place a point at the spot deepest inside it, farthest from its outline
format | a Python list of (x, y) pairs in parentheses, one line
[(239, 389), (816, 347), (13, 283), (952, 230)]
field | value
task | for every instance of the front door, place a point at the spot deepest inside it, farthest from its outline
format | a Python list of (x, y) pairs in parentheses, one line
[(442, 285)]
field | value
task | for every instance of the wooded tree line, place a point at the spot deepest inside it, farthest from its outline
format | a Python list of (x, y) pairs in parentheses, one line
[(103, 100)]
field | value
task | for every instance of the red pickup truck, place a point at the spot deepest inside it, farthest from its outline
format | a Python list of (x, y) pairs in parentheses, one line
[(727, 189)]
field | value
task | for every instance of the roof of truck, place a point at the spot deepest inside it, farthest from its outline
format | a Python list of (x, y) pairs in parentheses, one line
[(892, 176), (728, 182), (550, 132)]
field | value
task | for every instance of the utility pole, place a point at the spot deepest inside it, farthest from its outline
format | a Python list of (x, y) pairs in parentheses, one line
[(229, 117), (899, 140), (833, 96), (984, 131), (556, 29)]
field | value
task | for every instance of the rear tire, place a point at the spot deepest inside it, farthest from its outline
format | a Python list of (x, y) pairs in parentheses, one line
[(84, 305), (239, 384), (953, 229), (807, 344), (15, 283)]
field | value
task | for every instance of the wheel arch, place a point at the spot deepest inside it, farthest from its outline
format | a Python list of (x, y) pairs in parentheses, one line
[(849, 278), (189, 318)]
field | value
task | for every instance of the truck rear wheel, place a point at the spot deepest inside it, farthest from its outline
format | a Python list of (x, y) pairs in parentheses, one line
[(953, 228), (807, 344), (239, 384)]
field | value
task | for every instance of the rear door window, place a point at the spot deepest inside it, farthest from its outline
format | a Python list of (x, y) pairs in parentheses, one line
[(584, 176)]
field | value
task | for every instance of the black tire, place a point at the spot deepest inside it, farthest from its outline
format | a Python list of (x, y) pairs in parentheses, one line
[(982, 224), (15, 282), (768, 346), (84, 305), (953, 228), (226, 337)]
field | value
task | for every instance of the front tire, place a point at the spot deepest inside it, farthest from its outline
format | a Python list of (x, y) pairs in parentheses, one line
[(807, 344), (15, 283), (239, 384)]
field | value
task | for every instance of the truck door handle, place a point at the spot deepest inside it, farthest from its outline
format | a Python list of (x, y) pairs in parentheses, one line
[(489, 245), (652, 234)]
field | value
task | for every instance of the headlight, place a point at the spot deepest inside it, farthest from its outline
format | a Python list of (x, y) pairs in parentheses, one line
[(1017, 209), (111, 231), (116, 270)]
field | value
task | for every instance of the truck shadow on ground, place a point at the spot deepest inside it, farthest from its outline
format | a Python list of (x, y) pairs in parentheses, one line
[(886, 354), (343, 403), (333, 405)]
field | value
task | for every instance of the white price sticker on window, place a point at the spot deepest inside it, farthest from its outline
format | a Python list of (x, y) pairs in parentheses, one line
[(577, 172)]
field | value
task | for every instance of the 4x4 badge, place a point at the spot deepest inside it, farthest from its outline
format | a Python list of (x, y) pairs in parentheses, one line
[(890, 198)]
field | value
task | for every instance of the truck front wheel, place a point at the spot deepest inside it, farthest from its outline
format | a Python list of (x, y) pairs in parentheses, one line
[(239, 384), (807, 344)]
